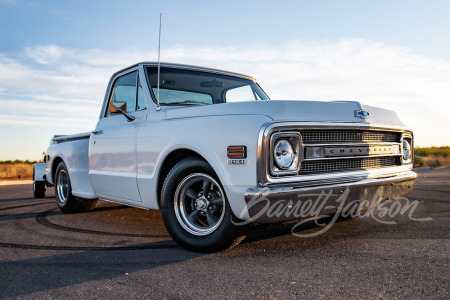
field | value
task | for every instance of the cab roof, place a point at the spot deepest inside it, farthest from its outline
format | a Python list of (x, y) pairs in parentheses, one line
[(186, 67)]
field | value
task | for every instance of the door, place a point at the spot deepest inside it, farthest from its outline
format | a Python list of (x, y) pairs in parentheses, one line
[(112, 149)]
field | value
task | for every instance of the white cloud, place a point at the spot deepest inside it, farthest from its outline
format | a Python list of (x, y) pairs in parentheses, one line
[(52, 80)]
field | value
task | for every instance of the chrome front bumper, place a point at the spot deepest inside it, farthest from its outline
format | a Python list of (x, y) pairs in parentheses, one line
[(269, 205)]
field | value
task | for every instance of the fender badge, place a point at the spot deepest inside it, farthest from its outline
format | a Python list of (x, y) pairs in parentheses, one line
[(237, 161), (363, 114)]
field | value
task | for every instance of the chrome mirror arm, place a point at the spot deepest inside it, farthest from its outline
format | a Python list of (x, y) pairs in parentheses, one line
[(120, 107), (129, 118)]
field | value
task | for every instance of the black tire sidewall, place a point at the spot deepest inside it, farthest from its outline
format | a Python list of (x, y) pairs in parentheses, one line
[(39, 189), (222, 237), (72, 204), (66, 205), (38, 186)]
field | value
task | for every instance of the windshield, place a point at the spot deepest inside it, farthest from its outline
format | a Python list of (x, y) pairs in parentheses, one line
[(185, 87)]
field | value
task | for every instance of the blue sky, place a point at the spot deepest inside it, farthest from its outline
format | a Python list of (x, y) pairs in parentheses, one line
[(420, 25), (56, 56)]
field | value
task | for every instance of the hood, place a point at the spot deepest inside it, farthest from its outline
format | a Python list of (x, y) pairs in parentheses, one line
[(288, 110)]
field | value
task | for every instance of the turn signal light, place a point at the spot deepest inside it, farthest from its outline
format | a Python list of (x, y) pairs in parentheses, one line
[(237, 152)]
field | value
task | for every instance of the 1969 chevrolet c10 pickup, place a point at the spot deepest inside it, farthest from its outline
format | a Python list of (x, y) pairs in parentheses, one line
[(214, 145)]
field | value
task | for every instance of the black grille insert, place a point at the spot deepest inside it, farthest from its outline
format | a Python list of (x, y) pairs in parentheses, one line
[(324, 136), (347, 164)]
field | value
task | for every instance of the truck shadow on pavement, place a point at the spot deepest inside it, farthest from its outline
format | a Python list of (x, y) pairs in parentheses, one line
[(27, 276), (42, 266), (94, 264), (267, 231)]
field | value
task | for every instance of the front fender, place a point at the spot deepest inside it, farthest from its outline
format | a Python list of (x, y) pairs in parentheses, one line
[(209, 137)]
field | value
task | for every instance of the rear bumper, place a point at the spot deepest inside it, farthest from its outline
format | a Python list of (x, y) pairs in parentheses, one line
[(280, 204)]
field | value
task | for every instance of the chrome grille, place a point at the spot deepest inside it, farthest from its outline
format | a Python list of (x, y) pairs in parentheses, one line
[(346, 164), (323, 136)]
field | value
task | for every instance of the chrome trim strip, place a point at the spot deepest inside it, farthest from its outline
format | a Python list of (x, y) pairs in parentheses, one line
[(350, 144), (343, 145), (350, 157), (66, 138)]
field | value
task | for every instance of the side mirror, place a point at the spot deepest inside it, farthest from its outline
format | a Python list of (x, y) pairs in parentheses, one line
[(120, 107), (115, 107)]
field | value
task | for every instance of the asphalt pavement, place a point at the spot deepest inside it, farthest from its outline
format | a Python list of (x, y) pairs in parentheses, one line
[(122, 252)]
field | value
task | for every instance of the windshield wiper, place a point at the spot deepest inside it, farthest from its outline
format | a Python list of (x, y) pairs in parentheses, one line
[(185, 102)]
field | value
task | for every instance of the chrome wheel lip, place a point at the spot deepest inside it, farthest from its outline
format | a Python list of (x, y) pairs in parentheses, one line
[(62, 186), (180, 206)]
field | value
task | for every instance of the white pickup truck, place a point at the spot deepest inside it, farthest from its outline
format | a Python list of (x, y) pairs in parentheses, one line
[(214, 145)]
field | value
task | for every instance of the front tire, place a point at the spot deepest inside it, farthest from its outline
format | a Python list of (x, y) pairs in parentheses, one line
[(68, 203), (195, 209)]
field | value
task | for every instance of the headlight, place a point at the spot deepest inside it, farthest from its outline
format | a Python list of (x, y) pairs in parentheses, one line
[(284, 154), (406, 149), (285, 149)]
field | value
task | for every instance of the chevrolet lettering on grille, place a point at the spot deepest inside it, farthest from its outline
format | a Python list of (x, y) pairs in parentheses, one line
[(353, 151)]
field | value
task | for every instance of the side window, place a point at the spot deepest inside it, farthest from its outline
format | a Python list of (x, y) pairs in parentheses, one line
[(243, 93), (124, 90), (140, 96)]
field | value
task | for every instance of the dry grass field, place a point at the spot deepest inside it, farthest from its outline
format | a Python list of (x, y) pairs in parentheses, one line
[(432, 157), (16, 170)]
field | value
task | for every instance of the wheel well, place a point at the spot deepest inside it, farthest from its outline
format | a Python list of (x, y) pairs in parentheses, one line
[(170, 161), (55, 164)]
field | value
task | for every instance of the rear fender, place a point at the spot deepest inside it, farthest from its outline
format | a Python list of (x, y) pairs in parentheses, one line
[(39, 172)]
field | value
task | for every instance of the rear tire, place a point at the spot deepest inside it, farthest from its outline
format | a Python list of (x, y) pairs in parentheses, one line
[(67, 202), (38, 189), (195, 209), (38, 186)]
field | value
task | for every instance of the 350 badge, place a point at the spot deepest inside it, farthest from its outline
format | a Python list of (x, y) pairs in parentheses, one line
[(237, 161)]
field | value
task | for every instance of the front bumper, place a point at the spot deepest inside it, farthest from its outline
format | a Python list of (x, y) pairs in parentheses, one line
[(280, 204)]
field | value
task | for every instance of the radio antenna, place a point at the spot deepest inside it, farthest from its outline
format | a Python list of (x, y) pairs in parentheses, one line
[(159, 64)]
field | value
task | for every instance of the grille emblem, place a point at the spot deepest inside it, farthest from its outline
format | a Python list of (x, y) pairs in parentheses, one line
[(354, 151), (363, 114)]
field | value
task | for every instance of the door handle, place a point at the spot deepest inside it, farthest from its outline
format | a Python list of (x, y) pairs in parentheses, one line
[(97, 131)]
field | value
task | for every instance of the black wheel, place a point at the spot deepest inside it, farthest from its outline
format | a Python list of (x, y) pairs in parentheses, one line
[(195, 209), (39, 189), (66, 201)]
